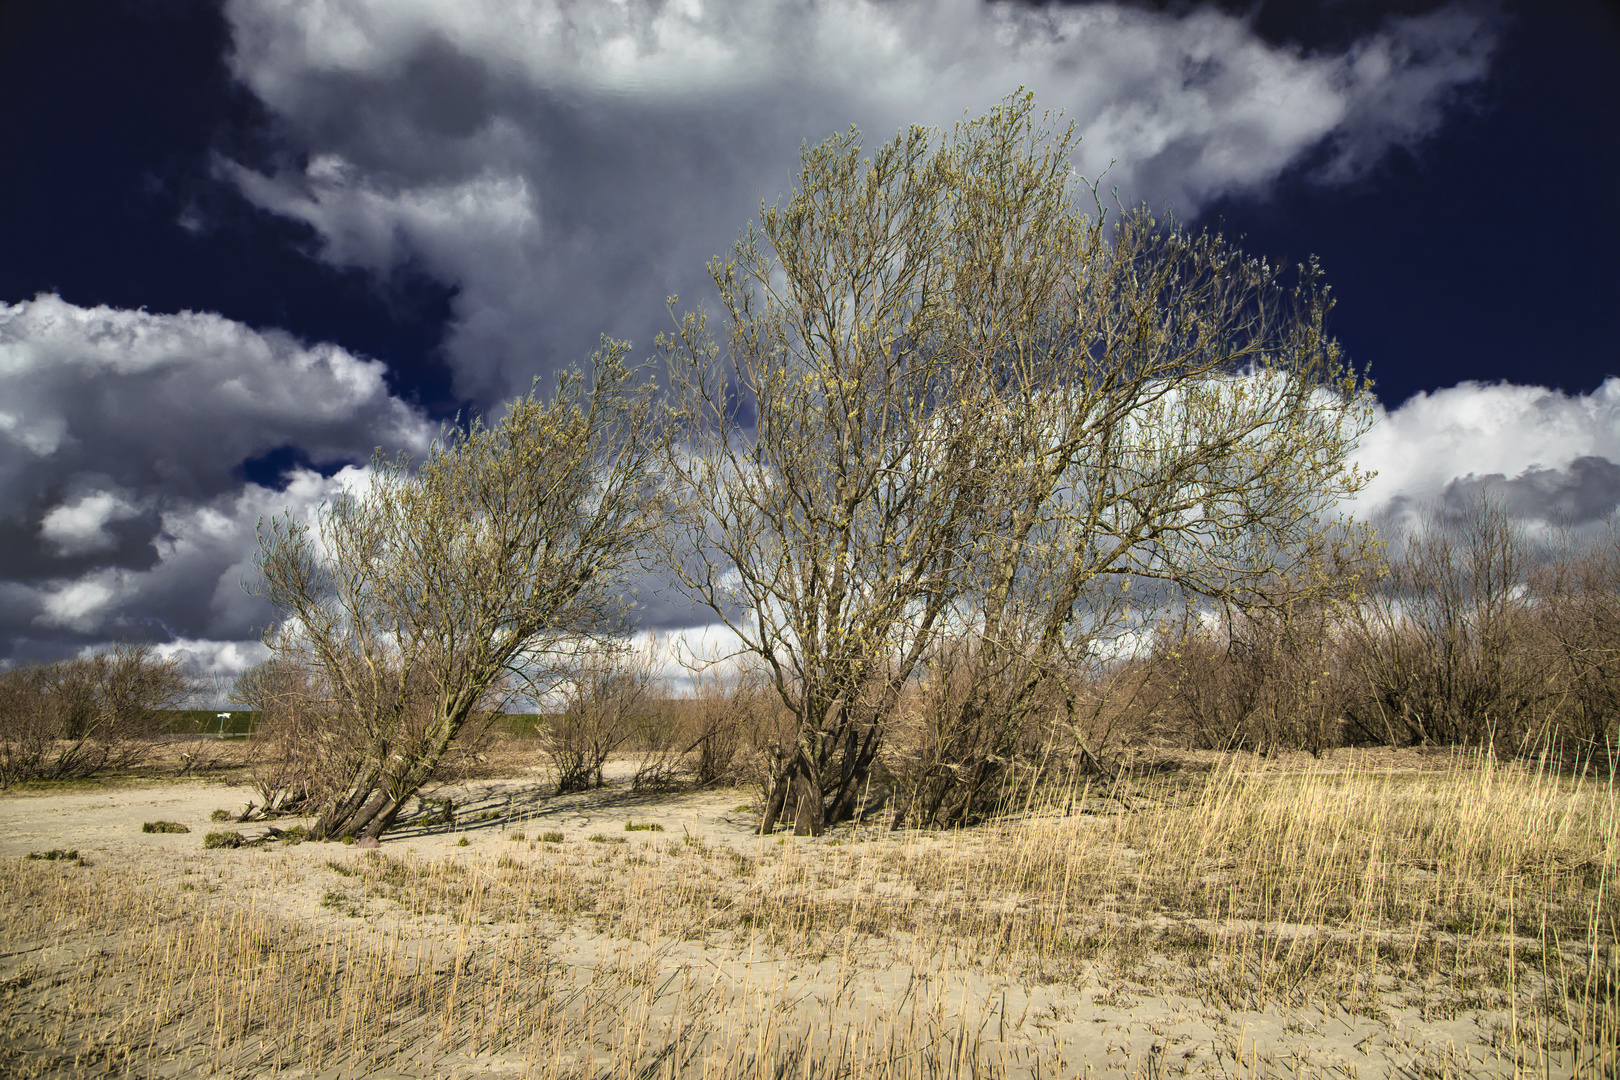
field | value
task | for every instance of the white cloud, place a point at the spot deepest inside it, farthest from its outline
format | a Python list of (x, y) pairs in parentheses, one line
[(177, 401), (195, 587), (225, 659), (123, 505), (1479, 430), (79, 605), (567, 164), (79, 526)]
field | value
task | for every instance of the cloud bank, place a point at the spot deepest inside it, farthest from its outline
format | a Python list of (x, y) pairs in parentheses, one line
[(123, 438), (1548, 456), (567, 164)]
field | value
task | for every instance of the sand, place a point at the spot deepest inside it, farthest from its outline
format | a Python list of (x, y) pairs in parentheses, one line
[(740, 986)]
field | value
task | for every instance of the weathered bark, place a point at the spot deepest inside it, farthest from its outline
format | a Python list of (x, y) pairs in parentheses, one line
[(809, 815)]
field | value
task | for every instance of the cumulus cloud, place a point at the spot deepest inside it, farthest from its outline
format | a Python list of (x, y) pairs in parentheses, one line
[(79, 525), (124, 508), (193, 587), (565, 165), (569, 164), (1547, 455)]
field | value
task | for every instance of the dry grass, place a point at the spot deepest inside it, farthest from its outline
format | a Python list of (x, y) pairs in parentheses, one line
[(1475, 895)]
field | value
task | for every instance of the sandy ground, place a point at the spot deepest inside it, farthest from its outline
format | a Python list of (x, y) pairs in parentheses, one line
[(1055, 1028)]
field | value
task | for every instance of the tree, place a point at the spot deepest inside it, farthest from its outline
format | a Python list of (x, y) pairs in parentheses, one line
[(77, 717), (424, 601), (605, 699), (945, 399), (1451, 647)]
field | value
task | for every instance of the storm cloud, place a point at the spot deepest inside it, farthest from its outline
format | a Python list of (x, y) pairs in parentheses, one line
[(124, 436), (569, 165), (1549, 455), (562, 166), (1588, 490)]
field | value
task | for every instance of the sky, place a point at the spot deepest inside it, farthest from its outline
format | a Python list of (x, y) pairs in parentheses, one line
[(244, 243)]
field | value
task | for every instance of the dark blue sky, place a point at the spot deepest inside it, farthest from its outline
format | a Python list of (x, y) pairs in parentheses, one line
[(119, 107), (1487, 252), (1492, 252), (381, 215)]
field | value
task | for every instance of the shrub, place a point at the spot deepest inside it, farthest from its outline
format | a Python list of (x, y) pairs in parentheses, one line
[(224, 840), (608, 694), (164, 827), (645, 826), (79, 717), (552, 837), (59, 855)]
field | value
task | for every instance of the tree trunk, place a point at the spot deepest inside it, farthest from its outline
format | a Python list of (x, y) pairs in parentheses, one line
[(776, 796), (809, 818)]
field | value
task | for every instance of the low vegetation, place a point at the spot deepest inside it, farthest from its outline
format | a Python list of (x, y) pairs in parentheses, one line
[(1356, 898), (79, 717)]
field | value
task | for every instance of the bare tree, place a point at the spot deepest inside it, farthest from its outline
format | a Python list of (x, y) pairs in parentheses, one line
[(453, 583), (77, 717), (734, 716), (947, 398), (1580, 616), (1266, 678), (1448, 648), (607, 699)]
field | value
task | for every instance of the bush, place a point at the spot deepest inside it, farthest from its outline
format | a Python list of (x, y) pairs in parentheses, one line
[(224, 840), (608, 696), (969, 737), (79, 717), (164, 827), (59, 855), (1450, 650)]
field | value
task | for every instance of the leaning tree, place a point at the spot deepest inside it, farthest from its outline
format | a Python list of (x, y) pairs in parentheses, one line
[(946, 398), (417, 602)]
